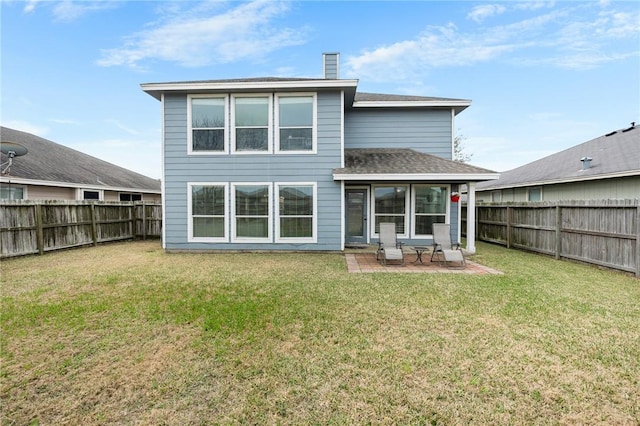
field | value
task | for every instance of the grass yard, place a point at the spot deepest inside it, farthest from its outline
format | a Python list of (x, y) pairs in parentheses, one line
[(127, 334)]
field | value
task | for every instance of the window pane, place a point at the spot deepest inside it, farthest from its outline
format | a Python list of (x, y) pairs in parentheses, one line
[(91, 195), (296, 201), (252, 227), (207, 200), (535, 194), (431, 200), (252, 200), (296, 139), (208, 227), (424, 224), (208, 140), (296, 227), (398, 220), (207, 113), (252, 139), (252, 112), (11, 193), (296, 111), (390, 200)]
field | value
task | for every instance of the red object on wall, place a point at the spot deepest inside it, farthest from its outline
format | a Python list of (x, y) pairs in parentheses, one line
[(455, 197)]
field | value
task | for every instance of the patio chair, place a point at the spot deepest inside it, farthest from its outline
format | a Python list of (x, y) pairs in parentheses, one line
[(443, 249), (389, 248)]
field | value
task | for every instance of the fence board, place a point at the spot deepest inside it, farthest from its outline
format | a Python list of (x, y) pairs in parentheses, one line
[(28, 227), (605, 233)]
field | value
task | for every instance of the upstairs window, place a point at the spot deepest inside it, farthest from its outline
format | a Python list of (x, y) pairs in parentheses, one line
[(251, 118), (296, 123), (208, 122)]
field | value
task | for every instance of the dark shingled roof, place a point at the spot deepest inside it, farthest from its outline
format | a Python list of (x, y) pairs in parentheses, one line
[(612, 154), (385, 161), (49, 161), (381, 97)]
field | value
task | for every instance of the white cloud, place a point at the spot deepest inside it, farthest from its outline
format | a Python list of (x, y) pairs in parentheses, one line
[(572, 36), (193, 40), (67, 10), (436, 47), (480, 13)]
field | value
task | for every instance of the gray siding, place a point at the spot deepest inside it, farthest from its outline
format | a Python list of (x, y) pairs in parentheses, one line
[(427, 131), (181, 168)]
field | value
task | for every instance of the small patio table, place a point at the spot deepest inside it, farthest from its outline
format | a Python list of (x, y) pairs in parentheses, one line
[(419, 250)]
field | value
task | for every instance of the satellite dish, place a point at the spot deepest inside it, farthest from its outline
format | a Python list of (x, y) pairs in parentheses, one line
[(12, 150)]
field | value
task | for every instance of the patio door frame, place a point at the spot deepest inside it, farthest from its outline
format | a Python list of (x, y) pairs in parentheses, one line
[(366, 237)]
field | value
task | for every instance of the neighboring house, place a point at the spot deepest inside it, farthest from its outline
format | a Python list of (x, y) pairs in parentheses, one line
[(50, 171), (305, 163), (605, 168)]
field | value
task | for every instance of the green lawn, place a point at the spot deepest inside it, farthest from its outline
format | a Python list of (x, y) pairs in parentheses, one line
[(127, 334)]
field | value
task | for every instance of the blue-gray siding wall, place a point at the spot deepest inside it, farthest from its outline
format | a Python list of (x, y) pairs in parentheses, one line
[(181, 168), (427, 131)]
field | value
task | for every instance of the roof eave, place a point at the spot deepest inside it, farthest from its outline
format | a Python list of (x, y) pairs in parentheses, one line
[(457, 105), (24, 181), (458, 177), (157, 89), (572, 179)]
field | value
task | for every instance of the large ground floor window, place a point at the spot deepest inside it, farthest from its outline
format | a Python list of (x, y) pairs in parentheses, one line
[(208, 212), (249, 212), (413, 208)]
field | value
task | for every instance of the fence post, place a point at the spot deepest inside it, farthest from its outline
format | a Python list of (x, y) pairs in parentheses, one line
[(558, 231), (39, 230), (94, 231), (144, 221), (508, 229), (638, 240)]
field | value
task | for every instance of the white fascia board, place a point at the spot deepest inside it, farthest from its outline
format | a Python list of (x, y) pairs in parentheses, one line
[(628, 173), (398, 104), (155, 89), (20, 181), (418, 176)]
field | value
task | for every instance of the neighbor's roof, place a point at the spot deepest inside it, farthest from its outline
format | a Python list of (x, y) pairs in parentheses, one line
[(52, 164), (616, 154), (405, 164)]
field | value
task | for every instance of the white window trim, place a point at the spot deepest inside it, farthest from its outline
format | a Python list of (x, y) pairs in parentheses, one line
[(529, 195), (234, 238), (190, 150), (407, 210), (270, 125), (13, 186), (190, 237), (447, 217), (314, 128), (314, 219)]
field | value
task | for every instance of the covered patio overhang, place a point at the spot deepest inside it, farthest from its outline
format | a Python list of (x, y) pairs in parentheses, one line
[(387, 165)]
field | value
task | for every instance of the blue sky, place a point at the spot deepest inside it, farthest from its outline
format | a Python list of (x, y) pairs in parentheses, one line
[(542, 76)]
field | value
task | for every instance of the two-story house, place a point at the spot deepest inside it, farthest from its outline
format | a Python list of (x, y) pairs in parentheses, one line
[(305, 163)]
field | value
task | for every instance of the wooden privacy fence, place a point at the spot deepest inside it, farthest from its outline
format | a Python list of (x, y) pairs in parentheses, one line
[(605, 233), (35, 227)]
